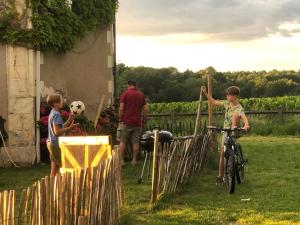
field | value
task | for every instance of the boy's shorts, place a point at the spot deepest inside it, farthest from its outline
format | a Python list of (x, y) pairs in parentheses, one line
[(224, 136), (130, 133), (55, 153)]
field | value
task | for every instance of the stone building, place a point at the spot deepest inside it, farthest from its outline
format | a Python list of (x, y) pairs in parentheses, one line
[(26, 76)]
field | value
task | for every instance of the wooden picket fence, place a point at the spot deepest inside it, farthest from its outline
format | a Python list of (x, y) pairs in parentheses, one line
[(87, 197), (175, 163)]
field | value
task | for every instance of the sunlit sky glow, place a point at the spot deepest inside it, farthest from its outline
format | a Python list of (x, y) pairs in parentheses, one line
[(229, 35)]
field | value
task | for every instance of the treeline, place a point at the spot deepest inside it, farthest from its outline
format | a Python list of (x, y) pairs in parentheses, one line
[(170, 85)]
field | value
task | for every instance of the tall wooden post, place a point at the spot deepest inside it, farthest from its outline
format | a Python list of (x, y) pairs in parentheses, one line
[(210, 106), (155, 169), (198, 118), (280, 115)]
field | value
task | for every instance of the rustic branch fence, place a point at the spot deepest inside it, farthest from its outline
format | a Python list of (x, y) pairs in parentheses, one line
[(183, 124), (174, 164), (88, 197)]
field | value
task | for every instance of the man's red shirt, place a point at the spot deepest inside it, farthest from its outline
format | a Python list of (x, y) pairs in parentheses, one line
[(134, 102)]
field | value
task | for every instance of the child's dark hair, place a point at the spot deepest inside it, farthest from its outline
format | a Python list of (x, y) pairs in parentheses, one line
[(131, 83), (234, 90), (104, 115), (52, 99)]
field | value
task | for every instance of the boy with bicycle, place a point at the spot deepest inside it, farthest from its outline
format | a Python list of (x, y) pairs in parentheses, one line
[(234, 113)]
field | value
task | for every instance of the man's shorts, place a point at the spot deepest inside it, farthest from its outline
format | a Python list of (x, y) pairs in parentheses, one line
[(55, 153), (130, 134)]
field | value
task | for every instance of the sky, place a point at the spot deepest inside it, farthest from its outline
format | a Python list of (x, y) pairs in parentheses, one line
[(230, 35)]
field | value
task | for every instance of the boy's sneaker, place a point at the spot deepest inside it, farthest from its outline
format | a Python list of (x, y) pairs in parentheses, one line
[(220, 180)]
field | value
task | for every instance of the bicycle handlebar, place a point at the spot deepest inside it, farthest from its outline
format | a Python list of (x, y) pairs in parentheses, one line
[(225, 129)]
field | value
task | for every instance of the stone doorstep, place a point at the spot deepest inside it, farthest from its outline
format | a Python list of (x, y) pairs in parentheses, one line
[(23, 156)]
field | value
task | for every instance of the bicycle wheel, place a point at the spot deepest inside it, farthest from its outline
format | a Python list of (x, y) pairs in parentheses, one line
[(240, 167), (230, 172)]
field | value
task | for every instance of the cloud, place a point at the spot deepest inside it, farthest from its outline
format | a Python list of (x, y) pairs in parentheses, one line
[(227, 20)]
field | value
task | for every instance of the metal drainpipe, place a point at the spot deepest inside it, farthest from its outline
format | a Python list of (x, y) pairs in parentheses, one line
[(38, 103), (115, 63)]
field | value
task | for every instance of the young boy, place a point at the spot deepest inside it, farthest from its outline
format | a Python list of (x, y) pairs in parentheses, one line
[(103, 125), (234, 112), (56, 128)]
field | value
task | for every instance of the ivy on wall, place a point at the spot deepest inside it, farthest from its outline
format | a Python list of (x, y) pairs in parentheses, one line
[(56, 25)]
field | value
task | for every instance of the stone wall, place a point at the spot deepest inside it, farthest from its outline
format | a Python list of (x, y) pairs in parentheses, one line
[(20, 93), (84, 73), (3, 86)]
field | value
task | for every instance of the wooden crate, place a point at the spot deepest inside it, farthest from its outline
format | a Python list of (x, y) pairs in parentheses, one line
[(84, 152)]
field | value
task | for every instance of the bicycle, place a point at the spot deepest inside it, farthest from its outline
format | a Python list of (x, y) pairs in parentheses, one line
[(234, 160)]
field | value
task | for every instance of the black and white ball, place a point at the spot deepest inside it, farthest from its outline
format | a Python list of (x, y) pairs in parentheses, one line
[(77, 107)]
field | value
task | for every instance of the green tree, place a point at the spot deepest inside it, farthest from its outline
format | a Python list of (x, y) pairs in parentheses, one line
[(171, 85)]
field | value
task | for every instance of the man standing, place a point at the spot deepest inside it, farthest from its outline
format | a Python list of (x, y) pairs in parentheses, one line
[(133, 113)]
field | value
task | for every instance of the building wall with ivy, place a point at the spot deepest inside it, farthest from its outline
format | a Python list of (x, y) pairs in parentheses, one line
[(55, 25), (18, 78), (76, 59)]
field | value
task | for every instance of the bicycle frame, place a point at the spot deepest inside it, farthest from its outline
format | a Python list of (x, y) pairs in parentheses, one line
[(234, 163), (229, 143)]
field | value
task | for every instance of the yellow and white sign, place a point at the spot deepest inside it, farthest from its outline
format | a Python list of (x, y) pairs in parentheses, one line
[(83, 152)]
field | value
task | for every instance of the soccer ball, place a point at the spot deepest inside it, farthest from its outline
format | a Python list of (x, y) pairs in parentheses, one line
[(77, 107)]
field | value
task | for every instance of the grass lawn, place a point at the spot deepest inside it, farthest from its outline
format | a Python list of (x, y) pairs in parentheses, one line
[(272, 185), (20, 178)]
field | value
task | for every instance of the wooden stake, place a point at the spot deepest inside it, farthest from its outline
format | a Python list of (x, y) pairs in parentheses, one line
[(39, 202), (155, 170), (81, 220), (47, 203), (67, 197), (99, 110), (5, 197), (210, 106), (1, 209), (62, 200), (27, 205), (52, 201), (9, 209), (198, 114), (22, 207)]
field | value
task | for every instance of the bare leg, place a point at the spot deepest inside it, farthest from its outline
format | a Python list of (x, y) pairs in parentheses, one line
[(221, 162), (54, 169), (122, 151), (235, 123), (135, 151)]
